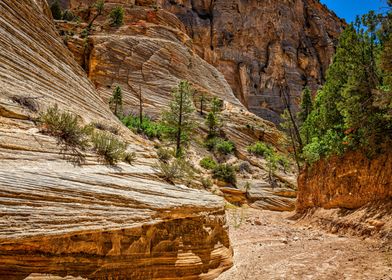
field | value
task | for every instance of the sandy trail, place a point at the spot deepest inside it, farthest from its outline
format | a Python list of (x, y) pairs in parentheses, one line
[(268, 245)]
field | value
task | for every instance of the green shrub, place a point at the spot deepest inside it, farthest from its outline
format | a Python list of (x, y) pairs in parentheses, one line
[(149, 128), (225, 147), (117, 16), (108, 148), (220, 145), (175, 169), (225, 172), (260, 149), (64, 126), (208, 163), (164, 154), (73, 137)]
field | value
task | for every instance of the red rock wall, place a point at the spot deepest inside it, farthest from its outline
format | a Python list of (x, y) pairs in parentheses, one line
[(348, 182)]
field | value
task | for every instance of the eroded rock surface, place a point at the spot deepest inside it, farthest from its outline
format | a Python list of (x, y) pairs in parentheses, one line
[(263, 48), (90, 221), (348, 182)]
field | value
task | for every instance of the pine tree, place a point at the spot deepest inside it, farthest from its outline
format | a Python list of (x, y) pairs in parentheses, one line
[(179, 119), (117, 16), (116, 103)]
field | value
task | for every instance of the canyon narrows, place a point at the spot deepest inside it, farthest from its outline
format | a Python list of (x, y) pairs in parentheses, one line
[(194, 139)]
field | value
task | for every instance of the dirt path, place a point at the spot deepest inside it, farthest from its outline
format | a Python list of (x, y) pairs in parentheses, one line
[(267, 245)]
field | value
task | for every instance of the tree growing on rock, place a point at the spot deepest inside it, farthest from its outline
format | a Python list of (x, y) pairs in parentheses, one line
[(99, 6), (116, 104), (178, 119), (117, 16)]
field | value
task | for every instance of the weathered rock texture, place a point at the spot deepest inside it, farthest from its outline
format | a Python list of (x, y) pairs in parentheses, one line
[(262, 46), (92, 221), (348, 182), (150, 53)]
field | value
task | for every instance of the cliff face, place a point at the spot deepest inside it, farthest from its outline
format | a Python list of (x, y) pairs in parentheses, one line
[(349, 182), (149, 54), (92, 221), (267, 50)]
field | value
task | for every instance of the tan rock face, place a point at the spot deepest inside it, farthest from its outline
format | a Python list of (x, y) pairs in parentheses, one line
[(262, 46), (90, 221), (349, 182), (151, 53)]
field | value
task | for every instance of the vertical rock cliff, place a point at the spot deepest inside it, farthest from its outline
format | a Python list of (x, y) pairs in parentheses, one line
[(348, 182), (90, 221), (267, 50)]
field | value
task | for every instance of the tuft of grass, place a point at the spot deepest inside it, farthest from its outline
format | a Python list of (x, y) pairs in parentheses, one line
[(225, 172), (174, 170), (206, 182), (104, 127), (108, 147), (129, 157), (165, 155), (208, 163)]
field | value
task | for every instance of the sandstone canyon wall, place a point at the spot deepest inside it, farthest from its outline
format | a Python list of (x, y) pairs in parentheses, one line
[(267, 50), (347, 182), (150, 53), (92, 221)]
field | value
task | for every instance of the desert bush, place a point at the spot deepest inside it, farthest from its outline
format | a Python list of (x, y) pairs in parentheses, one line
[(64, 126), (174, 170), (225, 172), (164, 154), (260, 149), (244, 167), (68, 15), (206, 182), (117, 16), (208, 163), (108, 147), (73, 137), (105, 127), (220, 145), (225, 147)]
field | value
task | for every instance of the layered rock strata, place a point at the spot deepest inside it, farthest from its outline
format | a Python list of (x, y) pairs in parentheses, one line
[(348, 182), (267, 50), (92, 221)]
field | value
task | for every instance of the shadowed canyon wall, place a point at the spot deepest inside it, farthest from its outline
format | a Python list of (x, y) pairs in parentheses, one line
[(267, 50)]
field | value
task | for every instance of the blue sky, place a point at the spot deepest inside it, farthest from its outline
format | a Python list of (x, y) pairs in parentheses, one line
[(348, 9)]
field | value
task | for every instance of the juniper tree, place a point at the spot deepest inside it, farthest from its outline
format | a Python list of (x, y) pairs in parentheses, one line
[(178, 120), (99, 6)]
